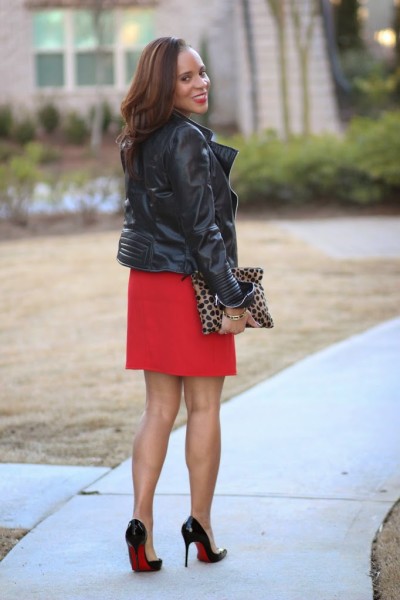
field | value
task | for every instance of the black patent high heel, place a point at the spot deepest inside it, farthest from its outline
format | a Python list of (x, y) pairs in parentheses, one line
[(136, 536), (192, 531)]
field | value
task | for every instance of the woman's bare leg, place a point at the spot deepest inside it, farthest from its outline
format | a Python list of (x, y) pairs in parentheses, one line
[(163, 396), (203, 444)]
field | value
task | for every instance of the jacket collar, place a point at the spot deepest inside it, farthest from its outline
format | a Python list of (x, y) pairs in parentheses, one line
[(208, 134), (225, 154)]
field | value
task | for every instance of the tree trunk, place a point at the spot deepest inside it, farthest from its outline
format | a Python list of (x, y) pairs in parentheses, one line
[(303, 44), (251, 55), (97, 119), (278, 11), (305, 93), (283, 70)]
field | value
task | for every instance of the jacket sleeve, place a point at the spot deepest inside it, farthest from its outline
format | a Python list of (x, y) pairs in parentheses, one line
[(188, 168)]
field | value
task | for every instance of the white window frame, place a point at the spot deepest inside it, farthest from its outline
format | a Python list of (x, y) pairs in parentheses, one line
[(69, 53), (43, 52)]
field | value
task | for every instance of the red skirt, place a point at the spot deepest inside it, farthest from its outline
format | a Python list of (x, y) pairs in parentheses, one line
[(164, 330)]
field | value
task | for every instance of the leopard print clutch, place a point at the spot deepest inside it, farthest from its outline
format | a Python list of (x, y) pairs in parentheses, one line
[(211, 315)]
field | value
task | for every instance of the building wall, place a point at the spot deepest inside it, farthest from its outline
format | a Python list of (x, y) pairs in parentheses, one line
[(208, 27), (16, 65), (323, 107), (216, 28), (221, 23)]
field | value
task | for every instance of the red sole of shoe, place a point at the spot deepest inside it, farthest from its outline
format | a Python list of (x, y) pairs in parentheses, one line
[(201, 553), (139, 560)]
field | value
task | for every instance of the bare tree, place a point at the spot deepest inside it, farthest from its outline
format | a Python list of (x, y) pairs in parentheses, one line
[(303, 28), (97, 9), (251, 56), (278, 10)]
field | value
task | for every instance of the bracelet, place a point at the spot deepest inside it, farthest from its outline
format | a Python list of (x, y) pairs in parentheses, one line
[(236, 317)]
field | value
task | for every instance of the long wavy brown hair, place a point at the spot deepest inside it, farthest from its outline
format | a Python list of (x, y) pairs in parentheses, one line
[(150, 99)]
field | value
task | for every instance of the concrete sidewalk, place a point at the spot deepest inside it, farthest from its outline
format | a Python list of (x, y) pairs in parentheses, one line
[(349, 237), (310, 468)]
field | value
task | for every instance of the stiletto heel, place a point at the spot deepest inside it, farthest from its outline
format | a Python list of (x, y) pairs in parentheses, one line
[(136, 536), (192, 531), (187, 544)]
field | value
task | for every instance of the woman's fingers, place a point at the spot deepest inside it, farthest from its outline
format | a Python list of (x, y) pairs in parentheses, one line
[(252, 322), (238, 326)]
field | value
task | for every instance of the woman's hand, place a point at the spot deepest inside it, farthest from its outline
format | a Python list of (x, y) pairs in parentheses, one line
[(235, 327)]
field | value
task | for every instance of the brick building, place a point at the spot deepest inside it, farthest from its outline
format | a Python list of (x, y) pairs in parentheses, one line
[(49, 51)]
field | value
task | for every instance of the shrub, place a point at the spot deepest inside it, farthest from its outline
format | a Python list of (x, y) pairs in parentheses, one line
[(119, 122), (6, 121), (106, 114), (291, 173), (17, 183), (75, 128), (373, 94), (40, 153), (377, 145), (373, 83), (7, 151), (88, 192), (25, 130), (49, 117), (362, 167), (119, 194), (355, 186)]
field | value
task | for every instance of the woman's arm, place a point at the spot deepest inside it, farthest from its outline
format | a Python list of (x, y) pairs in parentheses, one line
[(188, 167)]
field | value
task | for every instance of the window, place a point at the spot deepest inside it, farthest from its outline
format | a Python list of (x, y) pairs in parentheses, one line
[(136, 31), (94, 47), (74, 49), (49, 42)]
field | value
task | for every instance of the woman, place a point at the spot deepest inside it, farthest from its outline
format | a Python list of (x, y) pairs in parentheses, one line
[(179, 218)]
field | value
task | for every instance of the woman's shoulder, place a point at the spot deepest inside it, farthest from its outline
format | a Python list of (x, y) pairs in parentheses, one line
[(184, 123), (187, 135), (164, 135), (179, 134), (179, 126)]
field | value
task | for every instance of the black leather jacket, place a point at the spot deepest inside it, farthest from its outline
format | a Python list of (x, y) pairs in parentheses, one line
[(180, 210)]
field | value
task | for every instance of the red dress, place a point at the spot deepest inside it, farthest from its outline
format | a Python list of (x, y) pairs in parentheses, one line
[(164, 331)]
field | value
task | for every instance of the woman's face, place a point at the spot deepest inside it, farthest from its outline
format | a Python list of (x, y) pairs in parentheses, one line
[(191, 91)]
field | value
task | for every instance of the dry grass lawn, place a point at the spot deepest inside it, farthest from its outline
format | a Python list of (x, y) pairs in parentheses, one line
[(65, 396), (386, 558)]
